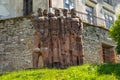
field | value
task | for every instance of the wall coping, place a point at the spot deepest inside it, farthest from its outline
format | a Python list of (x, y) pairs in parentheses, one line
[(30, 17), (13, 18), (85, 23)]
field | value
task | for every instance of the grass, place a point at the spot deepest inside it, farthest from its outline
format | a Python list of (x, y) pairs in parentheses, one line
[(83, 72)]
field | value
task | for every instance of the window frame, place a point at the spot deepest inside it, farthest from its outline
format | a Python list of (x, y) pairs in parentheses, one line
[(90, 14), (108, 21), (28, 7), (108, 1), (68, 4)]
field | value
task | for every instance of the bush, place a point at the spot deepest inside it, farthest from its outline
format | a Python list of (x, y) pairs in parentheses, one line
[(115, 33)]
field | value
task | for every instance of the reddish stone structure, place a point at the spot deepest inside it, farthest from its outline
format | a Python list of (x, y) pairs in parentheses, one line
[(107, 54), (57, 39)]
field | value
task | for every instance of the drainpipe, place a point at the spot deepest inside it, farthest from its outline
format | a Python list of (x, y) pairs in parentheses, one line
[(50, 6), (75, 4)]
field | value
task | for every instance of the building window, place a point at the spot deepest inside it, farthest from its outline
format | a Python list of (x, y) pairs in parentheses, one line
[(89, 11), (108, 1), (68, 4), (108, 20), (28, 6)]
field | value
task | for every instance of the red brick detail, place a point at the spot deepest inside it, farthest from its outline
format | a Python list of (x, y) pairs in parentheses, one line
[(59, 40)]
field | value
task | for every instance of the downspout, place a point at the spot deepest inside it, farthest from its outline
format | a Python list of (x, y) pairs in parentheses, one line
[(50, 6), (75, 4)]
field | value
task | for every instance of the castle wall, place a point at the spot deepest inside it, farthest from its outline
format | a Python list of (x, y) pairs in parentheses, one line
[(16, 42), (93, 39)]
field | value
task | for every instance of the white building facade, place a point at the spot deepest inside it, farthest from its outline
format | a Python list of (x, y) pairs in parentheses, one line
[(17, 8), (98, 12)]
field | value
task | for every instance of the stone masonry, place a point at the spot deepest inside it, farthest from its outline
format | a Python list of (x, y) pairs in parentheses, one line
[(93, 39), (16, 42), (17, 39)]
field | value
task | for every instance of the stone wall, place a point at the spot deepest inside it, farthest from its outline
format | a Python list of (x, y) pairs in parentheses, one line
[(118, 58), (16, 41), (93, 38)]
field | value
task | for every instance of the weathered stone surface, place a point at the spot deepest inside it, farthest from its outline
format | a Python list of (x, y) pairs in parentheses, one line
[(16, 41), (93, 38), (53, 33)]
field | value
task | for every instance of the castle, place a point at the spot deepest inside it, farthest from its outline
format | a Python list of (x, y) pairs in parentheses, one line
[(17, 33)]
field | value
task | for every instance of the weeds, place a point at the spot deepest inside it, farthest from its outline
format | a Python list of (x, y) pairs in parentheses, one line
[(83, 72)]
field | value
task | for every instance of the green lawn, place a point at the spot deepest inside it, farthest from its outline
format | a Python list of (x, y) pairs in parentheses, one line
[(83, 72)]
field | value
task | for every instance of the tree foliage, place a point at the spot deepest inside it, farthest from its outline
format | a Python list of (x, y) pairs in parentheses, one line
[(115, 33)]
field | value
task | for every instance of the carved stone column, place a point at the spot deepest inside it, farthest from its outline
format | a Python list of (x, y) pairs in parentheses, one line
[(76, 33)]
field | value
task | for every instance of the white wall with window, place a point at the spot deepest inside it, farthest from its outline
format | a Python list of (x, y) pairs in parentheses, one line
[(15, 8)]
